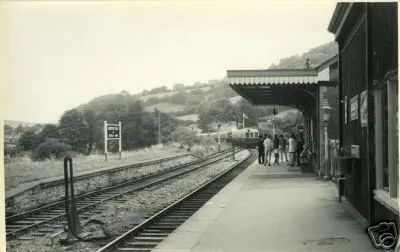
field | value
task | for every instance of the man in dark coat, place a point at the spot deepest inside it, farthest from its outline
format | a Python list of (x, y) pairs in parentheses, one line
[(261, 150), (300, 147), (276, 149)]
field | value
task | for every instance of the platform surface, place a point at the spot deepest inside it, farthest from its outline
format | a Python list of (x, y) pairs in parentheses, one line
[(270, 209)]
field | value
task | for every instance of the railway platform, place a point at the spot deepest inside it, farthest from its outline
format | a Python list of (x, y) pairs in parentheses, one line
[(271, 208)]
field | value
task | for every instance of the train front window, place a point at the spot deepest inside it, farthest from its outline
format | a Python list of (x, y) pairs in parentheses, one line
[(247, 134)]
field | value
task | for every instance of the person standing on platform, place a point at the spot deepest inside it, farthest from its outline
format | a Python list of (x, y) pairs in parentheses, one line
[(276, 149), (282, 148), (268, 145), (292, 149), (299, 148), (261, 150)]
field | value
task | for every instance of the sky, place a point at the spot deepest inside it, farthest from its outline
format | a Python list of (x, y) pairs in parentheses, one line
[(61, 54)]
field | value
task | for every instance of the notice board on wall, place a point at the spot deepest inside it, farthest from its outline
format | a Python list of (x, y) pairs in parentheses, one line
[(363, 109), (354, 108)]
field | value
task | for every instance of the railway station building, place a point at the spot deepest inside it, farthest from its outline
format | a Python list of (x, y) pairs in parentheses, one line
[(303, 89), (368, 93), (359, 85)]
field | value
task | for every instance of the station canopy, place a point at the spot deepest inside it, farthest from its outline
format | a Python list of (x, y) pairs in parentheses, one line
[(289, 87)]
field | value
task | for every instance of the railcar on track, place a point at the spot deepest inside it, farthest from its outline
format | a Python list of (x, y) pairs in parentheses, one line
[(247, 137)]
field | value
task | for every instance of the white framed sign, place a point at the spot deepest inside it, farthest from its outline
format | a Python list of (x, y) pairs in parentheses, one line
[(355, 151), (112, 132), (363, 109), (354, 108)]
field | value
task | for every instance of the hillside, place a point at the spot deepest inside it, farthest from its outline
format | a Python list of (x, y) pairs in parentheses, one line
[(316, 56), (165, 107), (15, 124), (190, 102), (192, 117), (169, 93)]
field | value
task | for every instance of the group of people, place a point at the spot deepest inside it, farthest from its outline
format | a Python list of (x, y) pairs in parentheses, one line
[(279, 147)]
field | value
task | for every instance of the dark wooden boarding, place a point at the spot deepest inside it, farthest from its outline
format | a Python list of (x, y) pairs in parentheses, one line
[(367, 37)]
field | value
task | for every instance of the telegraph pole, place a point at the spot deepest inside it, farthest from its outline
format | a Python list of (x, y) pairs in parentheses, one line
[(120, 140), (219, 139), (273, 126), (159, 127), (105, 140)]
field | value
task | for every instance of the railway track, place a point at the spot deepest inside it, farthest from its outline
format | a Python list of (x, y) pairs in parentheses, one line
[(151, 232), (43, 216)]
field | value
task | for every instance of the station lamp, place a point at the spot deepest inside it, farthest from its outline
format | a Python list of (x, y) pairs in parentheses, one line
[(326, 111)]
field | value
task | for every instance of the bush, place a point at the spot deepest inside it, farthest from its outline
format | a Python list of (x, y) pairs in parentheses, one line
[(11, 151), (184, 136), (29, 140), (51, 148)]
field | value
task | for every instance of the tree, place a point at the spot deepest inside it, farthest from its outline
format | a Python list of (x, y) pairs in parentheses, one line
[(8, 130), (35, 128), (168, 124), (184, 136), (178, 86), (20, 129), (94, 131), (73, 130), (50, 148), (162, 89), (139, 128), (221, 110), (152, 100), (288, 123), (29, 140), (49, 131), (179, 98)]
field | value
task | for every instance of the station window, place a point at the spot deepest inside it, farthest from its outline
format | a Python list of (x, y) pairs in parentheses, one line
[(386, 148)]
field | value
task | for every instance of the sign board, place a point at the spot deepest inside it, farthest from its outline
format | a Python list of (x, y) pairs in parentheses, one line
[(363, 109), (112, 131), (354, 108), (300, 127), (355, 151)]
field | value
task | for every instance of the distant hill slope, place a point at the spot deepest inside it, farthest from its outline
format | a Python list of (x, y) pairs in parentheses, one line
[(101, 102), (171, 93), (235, 99), (188, 101), (191, 117), (316, 56), (159, 95), (165, 107), (15, 124)]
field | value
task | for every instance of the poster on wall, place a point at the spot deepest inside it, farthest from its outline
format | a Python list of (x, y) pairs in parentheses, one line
[(363, 109), (345, 109), (354, 108)]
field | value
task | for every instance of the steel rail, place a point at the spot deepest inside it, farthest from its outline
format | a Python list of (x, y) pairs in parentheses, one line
[(129, 235), (56, 213), (16, 217)]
